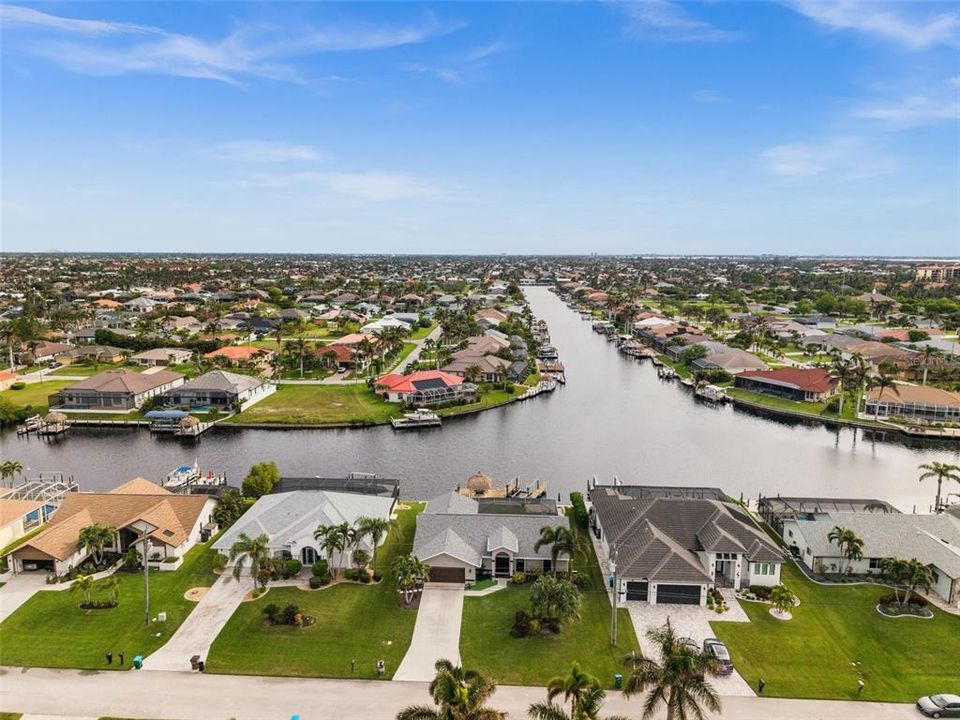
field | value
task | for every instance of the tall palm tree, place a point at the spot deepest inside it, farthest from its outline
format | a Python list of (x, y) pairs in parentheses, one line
[(840, 372), (376, 529), (334, 539), (113, 585), (297, 348), (10, 338), (677, 681), (407, 571), (580, 689), (95, 538), (939, 471), (10, 469), (256, 552), (562, 541), (882, 381), (927, 357), (458, 694), (849, 545)]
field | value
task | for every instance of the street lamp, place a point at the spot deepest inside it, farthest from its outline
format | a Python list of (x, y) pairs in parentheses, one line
[(616, 593)]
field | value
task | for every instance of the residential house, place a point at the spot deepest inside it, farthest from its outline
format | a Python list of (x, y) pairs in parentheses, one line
[(46, 351), (425, 387), (220, 389), (19, 517), (914, 402), (115, 390), (289, 520), (462, 540), (670, 549), (142, 305), (187, 324), (172, 523), (733, 361), (162, 356), (934, 540), (236, 354), (100, 353), (802, 384)]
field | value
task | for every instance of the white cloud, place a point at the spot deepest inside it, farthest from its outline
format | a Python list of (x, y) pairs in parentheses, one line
[(101, 47), (669, 22), (708, 97), (842, 158), (371, 186), (901, 23), (913, 111), (263, 151)]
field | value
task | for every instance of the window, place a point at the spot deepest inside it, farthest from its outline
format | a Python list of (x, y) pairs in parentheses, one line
[(518, 565), (874, 563), (547, 565), (763, 569)]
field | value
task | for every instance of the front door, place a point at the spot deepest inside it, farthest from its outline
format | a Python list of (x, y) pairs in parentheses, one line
[(501, 566), (308, 555)]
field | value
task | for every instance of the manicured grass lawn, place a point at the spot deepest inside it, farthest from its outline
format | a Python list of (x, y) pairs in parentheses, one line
[(49, 630), (408, 347), (812, 655), (489, 398), (36, 394), (486, 643), (420, 333), (354, 622), (320, 405), (807, 408), (10, 716)]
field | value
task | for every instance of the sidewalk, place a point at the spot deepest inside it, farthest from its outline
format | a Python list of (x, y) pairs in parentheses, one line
[(194, 696)]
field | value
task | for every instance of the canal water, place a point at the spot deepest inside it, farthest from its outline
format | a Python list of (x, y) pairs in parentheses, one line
[(613, 418)]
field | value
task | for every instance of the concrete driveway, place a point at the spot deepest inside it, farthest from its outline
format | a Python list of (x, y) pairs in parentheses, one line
[(692, 621), (436, 634), (200, 629), (18, 589)]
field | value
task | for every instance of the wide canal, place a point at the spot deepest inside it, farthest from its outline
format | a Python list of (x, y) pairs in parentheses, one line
[(613, 418)]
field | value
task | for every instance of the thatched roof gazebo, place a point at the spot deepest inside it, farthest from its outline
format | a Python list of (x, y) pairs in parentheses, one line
[(55, 418), (479, 483), (189, 422)]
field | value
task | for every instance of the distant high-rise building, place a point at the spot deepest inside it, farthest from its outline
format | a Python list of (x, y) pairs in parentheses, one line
[(938, 273)]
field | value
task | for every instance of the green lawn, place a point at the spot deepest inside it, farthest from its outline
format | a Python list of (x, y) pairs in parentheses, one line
[(486, 643), (488, 399), (354, 622), (814, 409), (408, 347), (50, 630), (36, 394), (813, 654), (421, 332), (320, 405)]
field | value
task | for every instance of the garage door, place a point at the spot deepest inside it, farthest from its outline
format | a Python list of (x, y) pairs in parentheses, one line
[(636, 591), (450, 575), (678, 594)]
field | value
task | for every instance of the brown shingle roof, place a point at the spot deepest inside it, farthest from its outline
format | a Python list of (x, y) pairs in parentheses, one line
[(11, 510), (125, 381)]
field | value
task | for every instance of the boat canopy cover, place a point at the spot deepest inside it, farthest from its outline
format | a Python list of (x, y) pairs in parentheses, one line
[(166, 414)]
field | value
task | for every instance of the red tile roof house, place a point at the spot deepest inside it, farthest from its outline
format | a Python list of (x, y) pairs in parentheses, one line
[(424, 387), (803, 384), (236, 354)]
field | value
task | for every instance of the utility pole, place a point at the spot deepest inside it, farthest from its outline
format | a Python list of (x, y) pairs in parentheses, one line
[(146, 582), (616, 593)]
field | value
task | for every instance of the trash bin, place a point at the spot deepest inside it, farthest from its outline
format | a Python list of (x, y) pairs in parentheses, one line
[(617, 681), (194, 662), (200, 666), (138, 662)]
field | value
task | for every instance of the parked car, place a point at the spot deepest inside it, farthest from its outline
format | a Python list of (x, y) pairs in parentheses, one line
[(712, 646), (690, 643), (940, 706)]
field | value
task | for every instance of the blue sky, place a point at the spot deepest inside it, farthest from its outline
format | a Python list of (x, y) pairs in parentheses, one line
[(814, 126)]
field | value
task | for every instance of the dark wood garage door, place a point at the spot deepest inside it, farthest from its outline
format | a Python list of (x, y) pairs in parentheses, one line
[(446, 574), (678, 594), (636, 591)]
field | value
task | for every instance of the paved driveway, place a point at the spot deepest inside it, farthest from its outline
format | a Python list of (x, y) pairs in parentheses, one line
[(200, 629), (691, 621), (18, 589), (436, 634)]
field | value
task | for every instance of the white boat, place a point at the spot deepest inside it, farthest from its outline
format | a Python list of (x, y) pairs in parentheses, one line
[(421, 417), (190, 475)]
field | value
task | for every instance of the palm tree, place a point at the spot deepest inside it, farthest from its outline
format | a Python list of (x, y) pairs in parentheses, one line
[(580, 689), (554, 601), (940, 471), (298, 348), (95, 538), (911, 575), (678, 680), (782, 598), (408, 570), (113, 585), (10, 469), (458, 694), (83, 585), (429, 346), (562, 541), (256, 551), (376, 529), (839, 536), (9, 336), (333, 539), (882, 381), (927, 357), (840, 372)]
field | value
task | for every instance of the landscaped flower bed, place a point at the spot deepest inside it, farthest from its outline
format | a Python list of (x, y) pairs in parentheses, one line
[(891, 605)]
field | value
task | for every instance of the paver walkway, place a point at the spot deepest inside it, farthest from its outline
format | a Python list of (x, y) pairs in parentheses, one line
[(200, 629), (436, 634), (18, 589), (195, 696)]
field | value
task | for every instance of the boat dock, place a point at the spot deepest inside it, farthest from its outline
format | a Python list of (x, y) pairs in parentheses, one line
[(544, 386), (711, 393), (511, 490), (419, 418)]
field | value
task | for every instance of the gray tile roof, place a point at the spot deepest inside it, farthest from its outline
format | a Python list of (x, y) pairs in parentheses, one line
[(223, 381), (471, 537), (453, 502), (932, 539), (658, 538)]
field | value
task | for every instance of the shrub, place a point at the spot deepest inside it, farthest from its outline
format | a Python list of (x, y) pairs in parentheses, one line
[(320, 568), (171, 559), (761, 591), (522, 624), (271, 610), (316, 582), (131, 559), (288, 614), (580, 516), (833, 404), (219, 561), (351, 573), (364, 577), (19, 385), (519, 578), (292, 568)]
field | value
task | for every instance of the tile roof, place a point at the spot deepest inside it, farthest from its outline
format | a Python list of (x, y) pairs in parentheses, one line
[(221, 380), (125, 381), (920, 394), (815, 380), (408, 383), (11, 510)]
